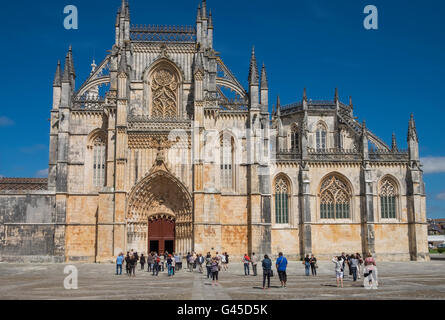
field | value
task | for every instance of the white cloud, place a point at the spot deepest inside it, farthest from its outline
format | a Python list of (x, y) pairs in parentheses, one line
[(441, 196), (42, 173), (433, 164), (1, 176), (6, 122)]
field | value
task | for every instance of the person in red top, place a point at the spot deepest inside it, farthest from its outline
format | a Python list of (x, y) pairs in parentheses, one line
[(246, 261)]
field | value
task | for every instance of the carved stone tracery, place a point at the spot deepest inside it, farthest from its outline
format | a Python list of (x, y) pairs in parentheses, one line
[(164, 86)]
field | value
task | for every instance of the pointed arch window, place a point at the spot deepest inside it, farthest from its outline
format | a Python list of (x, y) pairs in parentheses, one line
[(335, 199), (99, 162), (388, 199), (164, 90), (321, 138), (227, 162), (282, 196)]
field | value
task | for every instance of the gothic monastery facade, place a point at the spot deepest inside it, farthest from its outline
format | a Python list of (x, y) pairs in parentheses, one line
[(163, 149)]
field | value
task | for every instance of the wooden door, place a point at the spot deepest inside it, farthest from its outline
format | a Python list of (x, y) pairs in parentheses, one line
[(162, 231)]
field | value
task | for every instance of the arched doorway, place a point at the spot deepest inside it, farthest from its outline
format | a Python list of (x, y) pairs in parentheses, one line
[(161, 235), (159, 208)]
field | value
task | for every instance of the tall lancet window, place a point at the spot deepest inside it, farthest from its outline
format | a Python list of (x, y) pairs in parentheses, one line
[(99, 162), (164, 90), (295, 139), (321, 138), (227, 162), (388, 199), (282, 196), (335, 199)]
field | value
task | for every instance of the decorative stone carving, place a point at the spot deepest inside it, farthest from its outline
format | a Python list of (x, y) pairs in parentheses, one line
[(164, 87)]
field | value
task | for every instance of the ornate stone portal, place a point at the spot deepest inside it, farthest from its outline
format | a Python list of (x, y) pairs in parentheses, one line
[(160, 195)]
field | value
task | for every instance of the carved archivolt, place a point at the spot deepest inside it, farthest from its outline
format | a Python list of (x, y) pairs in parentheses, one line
[(161, 195), (164, 89)]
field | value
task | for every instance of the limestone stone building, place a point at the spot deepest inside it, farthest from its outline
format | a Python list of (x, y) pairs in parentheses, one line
[(162, 148)]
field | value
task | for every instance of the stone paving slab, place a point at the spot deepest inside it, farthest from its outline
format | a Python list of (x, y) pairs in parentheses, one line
[(397, 280)]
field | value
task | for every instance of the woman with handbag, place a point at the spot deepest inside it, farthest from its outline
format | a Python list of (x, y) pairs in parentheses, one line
[(215, 270), (267, 271)]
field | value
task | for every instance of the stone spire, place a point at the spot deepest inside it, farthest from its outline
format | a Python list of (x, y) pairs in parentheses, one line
[(304, 95), (336, 95), (210, 20), (58, 77), (70, 55), (365, 145), (278, 107), (198, 15), (204, 9), (394, 142), (66, 70), (350, 102), (412, 130), (253, 72), (264, 82)]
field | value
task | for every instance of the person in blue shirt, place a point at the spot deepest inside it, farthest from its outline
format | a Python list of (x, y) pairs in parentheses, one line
[(267, 271), (119, 262), (281, 265)]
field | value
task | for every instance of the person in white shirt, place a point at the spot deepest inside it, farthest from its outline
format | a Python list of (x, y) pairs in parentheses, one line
[(254, 261), (339, 271)]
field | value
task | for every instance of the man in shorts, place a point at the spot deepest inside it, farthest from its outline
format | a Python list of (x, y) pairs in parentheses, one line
[(281, 265)]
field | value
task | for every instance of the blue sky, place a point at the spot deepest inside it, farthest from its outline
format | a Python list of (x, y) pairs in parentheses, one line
[(318, 44)]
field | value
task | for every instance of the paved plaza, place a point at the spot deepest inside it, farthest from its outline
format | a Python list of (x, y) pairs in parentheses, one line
[(397, 280)]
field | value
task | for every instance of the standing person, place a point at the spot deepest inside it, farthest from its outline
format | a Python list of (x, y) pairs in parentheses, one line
[(227, 261), (339, 269), (246, 261), (281, 265), (360, 265), (127, 262), (314, 266), (173, 265), (201, 261), (142, 261), (254, 260), (353, 264), (156, 261), (222, 257), (169, 265), (133, 263), (150, 261), (191, 263), (161, 262), (187, 258), (119, 262), (215, 270), (370, 273), (348, 258), (307, 265), (208, 262), (177, 260), (267, 271)]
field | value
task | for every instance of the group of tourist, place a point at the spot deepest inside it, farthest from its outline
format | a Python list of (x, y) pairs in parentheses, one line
[(156, 263), (215, 264), (356, 265)]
